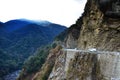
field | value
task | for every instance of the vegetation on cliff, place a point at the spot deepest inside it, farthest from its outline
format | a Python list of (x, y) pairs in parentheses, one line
[(46, 69), (34, 63), (98, 28), (6, 64), (20, 38)]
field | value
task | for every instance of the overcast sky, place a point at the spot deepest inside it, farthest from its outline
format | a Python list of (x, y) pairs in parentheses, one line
[(64, 12)]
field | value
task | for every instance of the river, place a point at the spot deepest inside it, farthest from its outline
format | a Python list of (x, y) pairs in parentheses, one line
[(12, 76)]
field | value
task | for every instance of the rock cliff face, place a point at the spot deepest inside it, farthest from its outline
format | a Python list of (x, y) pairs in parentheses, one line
[(99, 27), (99, 30)]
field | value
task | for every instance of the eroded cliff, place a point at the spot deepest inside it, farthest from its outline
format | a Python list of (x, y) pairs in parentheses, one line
[(98, 29)]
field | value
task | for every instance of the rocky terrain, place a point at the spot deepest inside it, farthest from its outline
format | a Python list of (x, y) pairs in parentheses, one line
[(96, 39)]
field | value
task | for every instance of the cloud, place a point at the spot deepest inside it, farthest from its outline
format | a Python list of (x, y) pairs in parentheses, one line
[(63, 12)]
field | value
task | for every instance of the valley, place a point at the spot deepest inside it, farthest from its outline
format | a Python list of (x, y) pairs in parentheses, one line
[(20, 39)]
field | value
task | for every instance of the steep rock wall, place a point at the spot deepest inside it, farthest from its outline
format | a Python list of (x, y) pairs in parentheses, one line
[(99, 27), (94, 67), (98, 30), (86, 66), (71, 40)]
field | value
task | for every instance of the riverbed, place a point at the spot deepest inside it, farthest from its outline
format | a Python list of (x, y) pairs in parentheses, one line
[(12, 76)]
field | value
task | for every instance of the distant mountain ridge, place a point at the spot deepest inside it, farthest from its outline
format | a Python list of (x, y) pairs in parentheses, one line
[(22, 27), (19, 23), (21, 38)]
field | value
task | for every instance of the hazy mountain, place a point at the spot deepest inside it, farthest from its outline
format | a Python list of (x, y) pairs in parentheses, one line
[(20, 38)]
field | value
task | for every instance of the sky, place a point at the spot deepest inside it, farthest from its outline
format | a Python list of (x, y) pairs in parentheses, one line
[(64, 12)]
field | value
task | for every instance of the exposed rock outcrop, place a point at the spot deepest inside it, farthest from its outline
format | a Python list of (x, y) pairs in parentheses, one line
[(99, 30), (46, 69), (86, 66), (99, 27)]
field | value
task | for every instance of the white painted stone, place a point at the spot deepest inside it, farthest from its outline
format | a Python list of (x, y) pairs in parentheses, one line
[(92, 49)]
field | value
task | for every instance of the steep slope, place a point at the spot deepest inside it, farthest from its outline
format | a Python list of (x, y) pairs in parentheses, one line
[(45, 68), (3, 59), (100, 30), (96, 35), (19, 39)]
